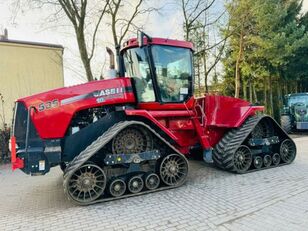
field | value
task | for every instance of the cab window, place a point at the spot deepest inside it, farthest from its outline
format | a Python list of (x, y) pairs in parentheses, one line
[(174, 72), (137, 67)]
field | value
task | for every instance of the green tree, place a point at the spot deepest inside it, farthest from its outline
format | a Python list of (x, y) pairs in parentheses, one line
[(267, 49)]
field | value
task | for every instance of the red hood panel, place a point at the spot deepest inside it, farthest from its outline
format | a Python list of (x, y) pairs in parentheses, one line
[(55, 108)]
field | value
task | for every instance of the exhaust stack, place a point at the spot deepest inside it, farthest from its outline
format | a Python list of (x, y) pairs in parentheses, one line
[(111, 73)]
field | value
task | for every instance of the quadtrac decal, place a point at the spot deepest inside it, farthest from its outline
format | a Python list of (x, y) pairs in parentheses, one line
[(48, 105), (100, 95)]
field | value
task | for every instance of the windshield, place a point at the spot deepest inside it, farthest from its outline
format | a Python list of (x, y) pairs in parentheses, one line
[(297, 99), (172, 67), (173, 71)]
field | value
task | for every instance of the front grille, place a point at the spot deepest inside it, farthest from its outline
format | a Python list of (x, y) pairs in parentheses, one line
[(20, 126)]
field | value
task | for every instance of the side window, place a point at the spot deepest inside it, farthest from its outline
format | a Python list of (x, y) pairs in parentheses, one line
[(137, 67), (173, 71)]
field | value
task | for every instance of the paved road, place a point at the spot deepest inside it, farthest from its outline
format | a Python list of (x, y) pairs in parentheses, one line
[(274, 199)]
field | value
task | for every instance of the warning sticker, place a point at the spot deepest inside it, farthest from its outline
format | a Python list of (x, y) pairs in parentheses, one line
[(42, 165)]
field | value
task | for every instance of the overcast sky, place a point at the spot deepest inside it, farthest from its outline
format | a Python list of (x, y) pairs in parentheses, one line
[(30, 27)]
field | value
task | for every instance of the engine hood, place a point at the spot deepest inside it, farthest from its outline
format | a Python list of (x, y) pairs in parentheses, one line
[(54, 109), (101, 88)]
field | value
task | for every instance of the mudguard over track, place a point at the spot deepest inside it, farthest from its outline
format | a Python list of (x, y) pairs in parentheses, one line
[(99, 143), (224, 151)]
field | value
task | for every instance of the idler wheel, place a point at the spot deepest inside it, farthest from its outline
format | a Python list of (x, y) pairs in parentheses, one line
[(86, 184), (287, 151), (135, 184), (117, 188), (258, 162), (242, 159), (152, 181), (173, 169)]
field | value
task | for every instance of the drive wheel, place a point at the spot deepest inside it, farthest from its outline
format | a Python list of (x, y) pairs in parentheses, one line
[(152, 181), (135, 184), (287, 151), (267, 160), (276, 159), (132, 140), (173, 169), (258, 162), (86, 184), (117, 188), (263, 129), (242, 159)]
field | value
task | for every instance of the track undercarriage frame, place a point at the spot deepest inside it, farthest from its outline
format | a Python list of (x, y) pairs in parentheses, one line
[(94, 176)]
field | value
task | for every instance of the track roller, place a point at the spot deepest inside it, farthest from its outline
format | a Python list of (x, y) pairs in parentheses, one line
[(267, 161), (86, 184), (117, 187), (135, 184), (258, 162), (173, 169), (152, 181), (276, 159)]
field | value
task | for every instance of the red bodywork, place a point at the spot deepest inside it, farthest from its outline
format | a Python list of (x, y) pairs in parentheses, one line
[(199, 120), (16, 162), (203, 120), (54, 121)]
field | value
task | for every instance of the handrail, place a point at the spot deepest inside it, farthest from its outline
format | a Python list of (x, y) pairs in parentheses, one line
[(28, 128)]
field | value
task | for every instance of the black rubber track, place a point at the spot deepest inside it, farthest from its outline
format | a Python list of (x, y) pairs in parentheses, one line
[(100, 142), (223, 153)]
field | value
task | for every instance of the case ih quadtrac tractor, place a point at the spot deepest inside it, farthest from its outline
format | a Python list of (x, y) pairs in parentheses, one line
[(131, 135), (294, 115)]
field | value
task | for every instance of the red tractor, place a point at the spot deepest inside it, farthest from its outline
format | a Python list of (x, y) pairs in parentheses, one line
[(131, 135)]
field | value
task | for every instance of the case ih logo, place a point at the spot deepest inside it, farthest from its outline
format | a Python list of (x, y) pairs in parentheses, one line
[(101, 95), (108, 91)]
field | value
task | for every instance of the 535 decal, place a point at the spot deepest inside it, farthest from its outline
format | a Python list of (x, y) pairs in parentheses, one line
[(48, 105)]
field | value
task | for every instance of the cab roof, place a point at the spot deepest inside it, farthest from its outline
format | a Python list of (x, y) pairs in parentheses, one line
[(131, 43)]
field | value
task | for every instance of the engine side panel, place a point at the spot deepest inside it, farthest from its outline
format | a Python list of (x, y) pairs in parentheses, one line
[(72, 145), (55, 109), (176, 124)]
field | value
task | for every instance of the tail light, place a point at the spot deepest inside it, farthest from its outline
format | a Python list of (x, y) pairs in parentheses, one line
[(13, 149)]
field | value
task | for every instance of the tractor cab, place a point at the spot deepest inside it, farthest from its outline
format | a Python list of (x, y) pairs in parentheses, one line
[(161, 69)]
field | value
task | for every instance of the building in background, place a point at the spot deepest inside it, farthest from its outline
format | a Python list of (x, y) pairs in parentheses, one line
[(26, 68)]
